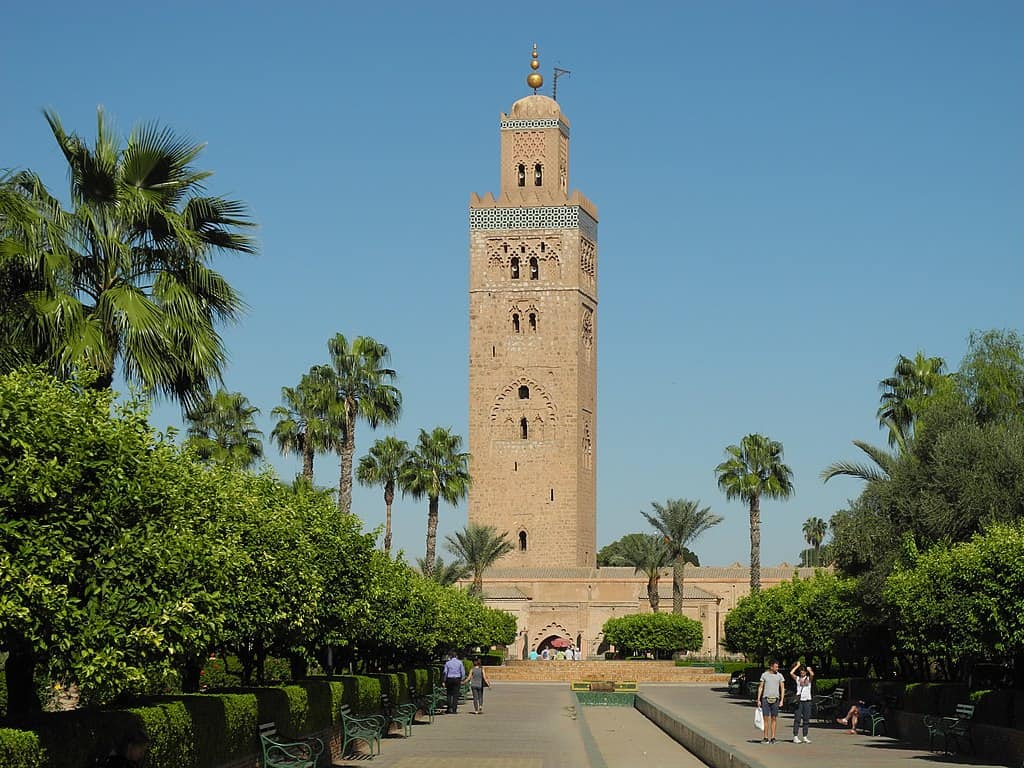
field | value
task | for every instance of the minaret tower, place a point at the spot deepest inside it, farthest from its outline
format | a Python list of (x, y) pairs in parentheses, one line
[(532, 345)]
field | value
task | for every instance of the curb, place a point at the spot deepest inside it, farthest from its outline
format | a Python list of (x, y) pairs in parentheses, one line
[(715, 752)]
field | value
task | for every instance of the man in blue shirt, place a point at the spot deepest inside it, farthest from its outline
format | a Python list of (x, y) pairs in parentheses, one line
[(454, 671)]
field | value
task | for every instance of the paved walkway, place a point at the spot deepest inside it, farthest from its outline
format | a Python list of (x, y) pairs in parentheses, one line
[(730, 721), (537, 725), (533, 725)]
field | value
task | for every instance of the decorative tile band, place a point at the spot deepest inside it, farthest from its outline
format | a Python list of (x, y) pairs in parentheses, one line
[(518, 125), (560, 217)]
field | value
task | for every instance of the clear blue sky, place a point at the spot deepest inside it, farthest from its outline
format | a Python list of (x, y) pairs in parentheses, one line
[(791, 194)]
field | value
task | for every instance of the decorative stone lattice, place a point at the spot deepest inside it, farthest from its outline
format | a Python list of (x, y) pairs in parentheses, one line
[(587, 331), (553, 217), (519, 125), (528, 147), (588, 260), (508, 409), (588, 446), (501, 250)]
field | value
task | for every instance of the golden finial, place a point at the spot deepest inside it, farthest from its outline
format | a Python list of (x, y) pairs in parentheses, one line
[(535, 79)]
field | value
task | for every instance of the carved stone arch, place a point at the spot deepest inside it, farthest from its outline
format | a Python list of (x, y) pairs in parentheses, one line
[(510, 395), (552, 628)]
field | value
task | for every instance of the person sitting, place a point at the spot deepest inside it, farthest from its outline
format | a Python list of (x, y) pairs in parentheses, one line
[(859, 711), (130, 754)]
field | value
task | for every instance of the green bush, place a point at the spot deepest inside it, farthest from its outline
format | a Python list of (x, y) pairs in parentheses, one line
[(823, 686), (492, 659), (660, 633), (993, 707), (934, 698), (20, 749)]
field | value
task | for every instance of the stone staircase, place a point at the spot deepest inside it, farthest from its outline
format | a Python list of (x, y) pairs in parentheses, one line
[(569, 671)]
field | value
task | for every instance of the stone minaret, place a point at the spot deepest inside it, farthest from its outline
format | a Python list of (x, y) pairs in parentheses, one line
[(532, 346)]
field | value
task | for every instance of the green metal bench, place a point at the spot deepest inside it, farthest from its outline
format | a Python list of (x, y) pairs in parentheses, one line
[(952, 729), (826, 708), (279, 753), (369, 729), (400, 714), (427, 703)]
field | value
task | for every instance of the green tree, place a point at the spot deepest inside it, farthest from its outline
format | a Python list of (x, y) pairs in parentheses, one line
[(646, 554), (437, 469), (109, 569), (755, 469), (992, 375), (912, 380), (445, 574), (680, 521), (659, 633), (479, 546), (222, 429), (814, 529), (302, 426), (382, 466), (362, 389), (123, 275)]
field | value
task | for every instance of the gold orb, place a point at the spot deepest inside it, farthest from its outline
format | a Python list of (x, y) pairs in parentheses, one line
[(534, 64), (534, 80)]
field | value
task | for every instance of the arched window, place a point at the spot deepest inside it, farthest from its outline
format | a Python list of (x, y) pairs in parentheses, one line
[(522, 175), (533, 321), (524, 392), (522, 541), (537, 175), (534, 268), (515, 322), (514, 266), (524, 428)]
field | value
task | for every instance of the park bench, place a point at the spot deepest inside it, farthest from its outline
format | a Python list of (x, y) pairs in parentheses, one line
[(281, 753), (874, 723), (737, 682), (367, 729), (826, 708), (955, 729), (400, 714), (427, 702)]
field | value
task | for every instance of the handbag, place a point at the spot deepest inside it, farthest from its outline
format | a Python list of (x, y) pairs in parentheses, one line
[(758, 718)]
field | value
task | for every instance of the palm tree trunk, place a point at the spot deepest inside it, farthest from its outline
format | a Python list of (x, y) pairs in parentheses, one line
[(755, 543), (431, 533), (478, 583), (389, 497), (348, 449), (652, 593), (307, 462), (677, 584)]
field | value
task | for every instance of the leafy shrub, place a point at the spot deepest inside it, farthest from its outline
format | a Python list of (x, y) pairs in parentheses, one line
[(20, 749), (993, 707), (492, 659), (661, 633)]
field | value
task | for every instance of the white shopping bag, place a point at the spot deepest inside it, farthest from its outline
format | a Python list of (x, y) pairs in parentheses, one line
[(758, 718)]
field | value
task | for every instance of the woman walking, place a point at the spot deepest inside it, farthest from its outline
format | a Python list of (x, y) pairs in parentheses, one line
[(477, 680)]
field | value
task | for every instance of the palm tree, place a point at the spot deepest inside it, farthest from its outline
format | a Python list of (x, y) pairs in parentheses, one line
[(381, 466), (911, 380), (437, 469), (20, 224), (814, 533), (755, 469), (647, 554), (123, 275), (479, 546), (445, 574), (302, 427), (680, 521), (223, 429), (884, 463), (362, 389)]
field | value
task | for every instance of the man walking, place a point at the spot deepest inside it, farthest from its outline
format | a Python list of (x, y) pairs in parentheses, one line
[(770, 692), (454, 671)]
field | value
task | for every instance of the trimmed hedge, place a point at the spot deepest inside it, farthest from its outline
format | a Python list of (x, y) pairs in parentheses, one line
[(202, 730), (20, 749)]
